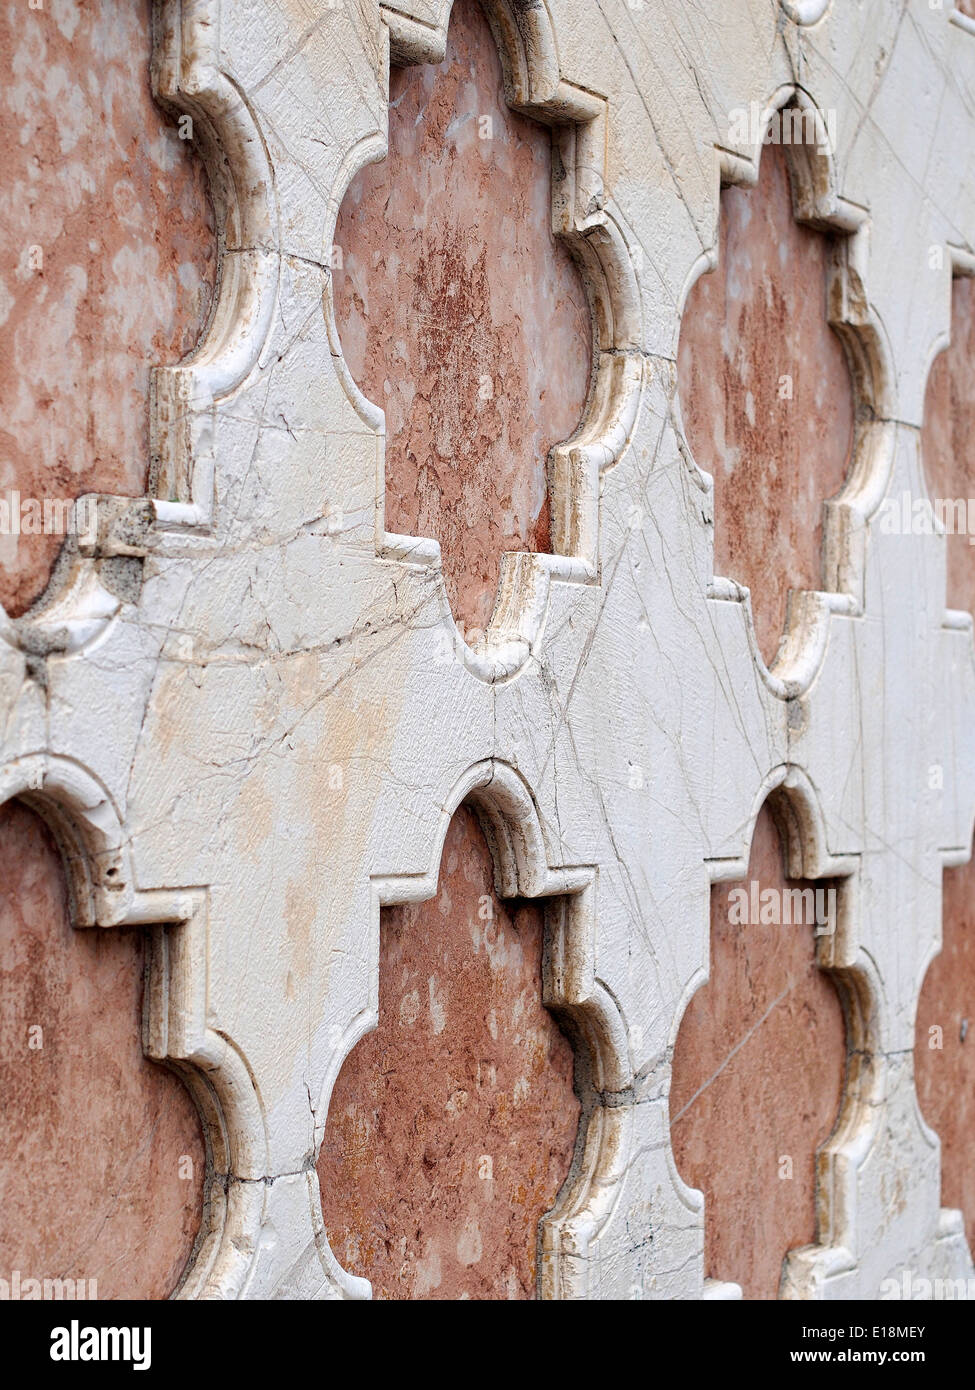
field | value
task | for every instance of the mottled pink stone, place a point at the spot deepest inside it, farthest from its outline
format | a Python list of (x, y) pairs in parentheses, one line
[(758, 1075), (946, 1074), (95, 183), (461, 315), (766, 395), (451, 1127), (101, 1151)]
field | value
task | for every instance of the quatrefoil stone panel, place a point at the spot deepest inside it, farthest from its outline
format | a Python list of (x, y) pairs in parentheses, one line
[(238, 711)]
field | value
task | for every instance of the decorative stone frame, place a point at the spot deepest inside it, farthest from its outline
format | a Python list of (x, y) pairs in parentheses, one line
[(583, 218), (102, 895), (795, 807), (510, 822), (817, 202)]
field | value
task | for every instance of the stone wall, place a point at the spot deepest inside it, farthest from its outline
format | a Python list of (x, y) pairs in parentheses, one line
[(498, 568)]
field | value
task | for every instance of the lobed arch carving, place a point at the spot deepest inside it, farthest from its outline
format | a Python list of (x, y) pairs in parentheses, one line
[(91, 837), (512, 826), (584, 218), (819, 203)]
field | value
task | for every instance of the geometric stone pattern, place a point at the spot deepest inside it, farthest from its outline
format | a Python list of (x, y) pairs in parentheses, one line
[(451, 1128), (944, 1056), (461, 315), (758, 1073), (772, 424), (237, 712)]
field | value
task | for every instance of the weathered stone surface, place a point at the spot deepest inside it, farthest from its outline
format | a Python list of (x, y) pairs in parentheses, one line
[(107, 261), (107, 264), (948, 443), (461, 315), (946, 1073), (101, 1158), (944, 1061), (451, 1127), (765, 395), (758, 1077), (248, 714)]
